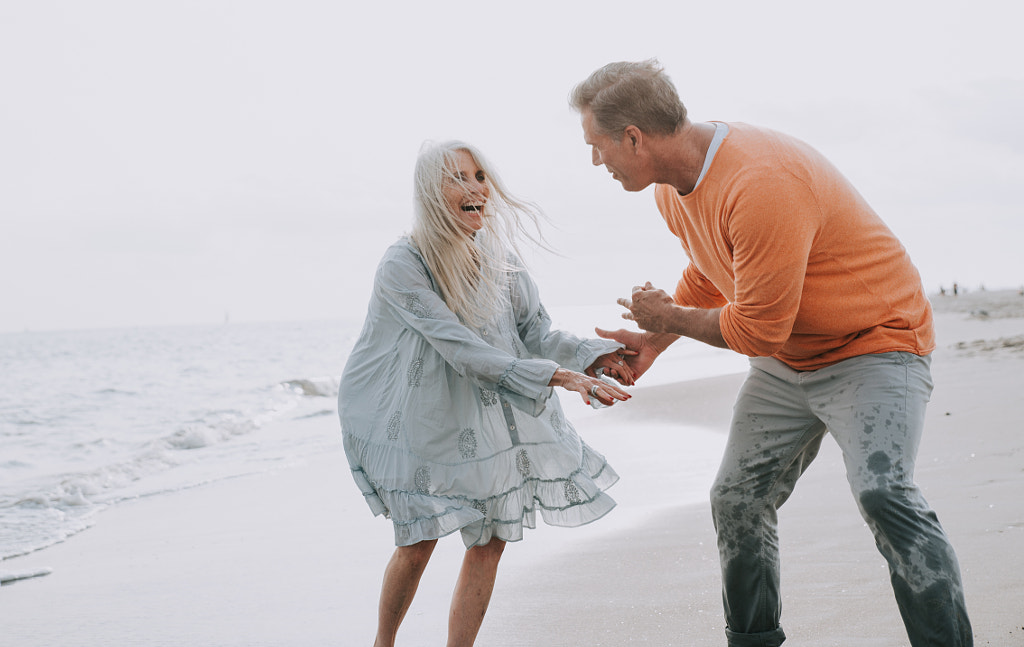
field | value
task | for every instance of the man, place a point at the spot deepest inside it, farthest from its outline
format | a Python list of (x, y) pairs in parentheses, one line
[(791, 267)]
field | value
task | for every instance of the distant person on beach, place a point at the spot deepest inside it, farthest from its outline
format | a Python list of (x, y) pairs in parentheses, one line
[(791, 267), (447, 411)]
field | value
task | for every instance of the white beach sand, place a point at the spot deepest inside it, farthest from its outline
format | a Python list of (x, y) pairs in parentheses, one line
[(294, 558)]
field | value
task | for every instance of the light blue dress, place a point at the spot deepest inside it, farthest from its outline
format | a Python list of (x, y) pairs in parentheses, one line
[(450, 428)]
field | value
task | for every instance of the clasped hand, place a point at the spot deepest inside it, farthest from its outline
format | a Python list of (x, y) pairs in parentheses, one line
[(649, 307)]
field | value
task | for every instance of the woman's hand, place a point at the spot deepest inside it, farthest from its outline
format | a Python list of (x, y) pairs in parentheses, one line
[(614, 365), (588, 387)]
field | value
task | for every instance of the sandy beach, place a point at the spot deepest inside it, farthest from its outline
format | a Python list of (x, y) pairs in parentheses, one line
[(294, 558)]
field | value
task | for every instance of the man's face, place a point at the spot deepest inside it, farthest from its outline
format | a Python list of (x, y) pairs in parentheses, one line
[(617, 155)]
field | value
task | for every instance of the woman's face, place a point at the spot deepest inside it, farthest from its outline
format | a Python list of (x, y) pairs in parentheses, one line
[(466, 192)]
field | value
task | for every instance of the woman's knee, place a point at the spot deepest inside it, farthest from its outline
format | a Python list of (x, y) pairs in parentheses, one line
[(489, 552), (417, 554)]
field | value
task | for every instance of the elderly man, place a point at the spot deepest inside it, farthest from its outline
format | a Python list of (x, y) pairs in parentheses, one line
[(791, 267)]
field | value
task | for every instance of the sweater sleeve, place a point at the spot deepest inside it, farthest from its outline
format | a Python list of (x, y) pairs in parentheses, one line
[(771, 229), (695, 290)]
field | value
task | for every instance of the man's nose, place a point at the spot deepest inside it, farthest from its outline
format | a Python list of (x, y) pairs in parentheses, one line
[(595, 157)]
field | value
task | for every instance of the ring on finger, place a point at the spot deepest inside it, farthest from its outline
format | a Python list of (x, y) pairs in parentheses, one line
[(593, 390)]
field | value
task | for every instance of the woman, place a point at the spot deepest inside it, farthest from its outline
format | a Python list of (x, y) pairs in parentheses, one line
[(447, 411)]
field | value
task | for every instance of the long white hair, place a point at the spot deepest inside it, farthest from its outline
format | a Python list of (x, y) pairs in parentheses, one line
[(473, 271)]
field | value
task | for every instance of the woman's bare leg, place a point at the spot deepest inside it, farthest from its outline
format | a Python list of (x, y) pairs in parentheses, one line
[(401, 578), (473, 592)]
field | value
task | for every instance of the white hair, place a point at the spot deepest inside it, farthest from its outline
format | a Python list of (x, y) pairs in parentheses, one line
[(473, 271)]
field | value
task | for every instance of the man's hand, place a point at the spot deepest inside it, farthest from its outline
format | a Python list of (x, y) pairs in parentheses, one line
[(652, 309), (643, 348), (655, 311)]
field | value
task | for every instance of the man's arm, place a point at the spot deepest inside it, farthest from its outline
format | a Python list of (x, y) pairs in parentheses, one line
[(655, 312)]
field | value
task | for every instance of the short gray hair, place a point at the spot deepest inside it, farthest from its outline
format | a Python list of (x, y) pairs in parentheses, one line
[(630, 94)]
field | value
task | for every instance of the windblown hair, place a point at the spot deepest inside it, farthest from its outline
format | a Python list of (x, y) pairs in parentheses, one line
[(473, 271), (630, 94)]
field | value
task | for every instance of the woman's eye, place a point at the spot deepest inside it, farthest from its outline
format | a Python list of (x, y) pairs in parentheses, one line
[(480, 176)]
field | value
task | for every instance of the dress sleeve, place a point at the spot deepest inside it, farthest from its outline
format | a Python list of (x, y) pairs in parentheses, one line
[(534, 326), (403, 283)]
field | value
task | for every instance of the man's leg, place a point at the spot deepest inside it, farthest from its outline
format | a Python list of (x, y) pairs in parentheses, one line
[(874, 405), (772, 440)]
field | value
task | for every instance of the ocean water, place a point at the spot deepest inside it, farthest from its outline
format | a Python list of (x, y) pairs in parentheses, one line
[(90, 419)]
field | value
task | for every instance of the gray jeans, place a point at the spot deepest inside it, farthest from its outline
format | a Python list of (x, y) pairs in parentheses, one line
[(874, 406)]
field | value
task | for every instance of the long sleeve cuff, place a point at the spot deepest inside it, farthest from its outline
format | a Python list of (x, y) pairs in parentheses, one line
[(525, 384), (590, 349)]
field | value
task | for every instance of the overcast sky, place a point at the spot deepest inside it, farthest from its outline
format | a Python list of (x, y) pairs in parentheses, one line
[(169, 162)]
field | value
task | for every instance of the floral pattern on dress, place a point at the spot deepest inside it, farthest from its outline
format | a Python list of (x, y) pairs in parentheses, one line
[(415, 373), (557, 423), (415, 306), (467, 443), (395, 425), (488, 398), (572, 493), (422, 479), (523, 462)]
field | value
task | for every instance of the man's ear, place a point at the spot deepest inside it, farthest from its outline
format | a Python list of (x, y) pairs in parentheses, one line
[(634, 137)]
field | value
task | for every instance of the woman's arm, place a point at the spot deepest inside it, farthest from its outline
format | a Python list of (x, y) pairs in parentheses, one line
[(534, 327)]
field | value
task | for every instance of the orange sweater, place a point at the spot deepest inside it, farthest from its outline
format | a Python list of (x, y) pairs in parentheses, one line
[(806, 271)]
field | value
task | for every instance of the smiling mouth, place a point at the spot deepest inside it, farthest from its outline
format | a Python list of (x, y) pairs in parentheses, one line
[(472, 207)]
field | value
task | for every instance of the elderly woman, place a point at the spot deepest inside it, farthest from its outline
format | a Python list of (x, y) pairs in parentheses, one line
[(447, 411)]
